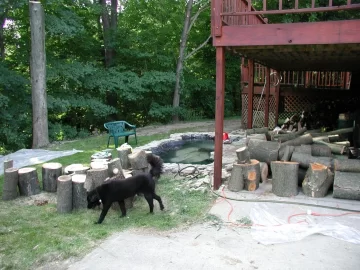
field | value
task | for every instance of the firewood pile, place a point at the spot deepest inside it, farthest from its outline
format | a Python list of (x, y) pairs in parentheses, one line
[(316, 161)]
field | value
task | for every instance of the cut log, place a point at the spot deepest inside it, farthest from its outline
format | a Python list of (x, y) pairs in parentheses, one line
[(243, 155), (304, 148), (347, 165), (99, 164), (347, 185), (304, 139), (10, 187), (138, 160), (263, 151), (123, 153), (28, 181), (304, 160), (318, 150), (257, 137), (301, 176), (8, 164), (288, 151), (64, 194), (76, 169), (335, 148), (114, 168), (245, 176), (334, 132), (94, 178), (284, 178), (289, 136), (256, 131), (264, 172), (79, 193), (344, 143), (328, 139), (50, 173), (318, 180)]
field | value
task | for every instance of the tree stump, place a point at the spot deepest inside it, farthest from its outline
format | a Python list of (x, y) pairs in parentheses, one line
[(79, 193), (76, 169), (123, 152), (245, 176), (304, 160), (288, 151), (64, 194), (347, 185), (8, 164), (50, 174), (263, 151), (347, 165), (11, 180), (243, 155), (318, 180), (138, 160), (114, 168), (284, 178), (95, 177), (264, 172), (28, 181)]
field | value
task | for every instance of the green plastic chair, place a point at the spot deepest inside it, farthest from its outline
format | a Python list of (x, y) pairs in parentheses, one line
[(120, 129)]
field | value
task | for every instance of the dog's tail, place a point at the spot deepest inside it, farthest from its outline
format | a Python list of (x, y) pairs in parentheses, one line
[(157, 165)]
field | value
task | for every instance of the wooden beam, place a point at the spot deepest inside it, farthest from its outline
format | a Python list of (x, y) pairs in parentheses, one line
[(216, 17), (267, 96), (251, 93), (330, 32), (277, 101), (219, 114)]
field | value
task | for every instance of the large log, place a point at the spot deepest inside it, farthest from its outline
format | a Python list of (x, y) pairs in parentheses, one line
[(335, 148), (263, 151), (236, 181), (28, 181), (11, 180), (8, 164), (318, 180), (320, 150), (284, 178), (256, 131), (243, 155), (79, 193), (245, 176), (50, 173), (261, 136), (288, 151), (328, 139), (347, 185), (304, 139), (95, 177), (304, 160), (64, 194), (334, 132), (347, 165), (138, 160), (289, 136), (123, 153), (304, 148)]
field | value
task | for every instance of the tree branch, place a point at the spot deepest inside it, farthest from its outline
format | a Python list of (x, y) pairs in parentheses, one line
[(193, 18), (197, 49)]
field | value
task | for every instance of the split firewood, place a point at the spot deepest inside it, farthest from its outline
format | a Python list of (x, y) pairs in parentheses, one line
[(284, 178), (318, 180), (347, 185), (123, 153)]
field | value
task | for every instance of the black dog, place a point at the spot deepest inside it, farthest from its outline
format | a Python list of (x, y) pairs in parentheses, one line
[(115, 190)]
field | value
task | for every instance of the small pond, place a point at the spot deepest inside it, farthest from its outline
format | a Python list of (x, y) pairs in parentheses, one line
[(189, 152)]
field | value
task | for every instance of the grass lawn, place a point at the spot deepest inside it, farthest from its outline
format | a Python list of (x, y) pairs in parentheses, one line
[(31, 235)]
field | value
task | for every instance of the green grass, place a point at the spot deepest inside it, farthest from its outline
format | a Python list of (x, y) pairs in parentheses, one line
[(31, 236)]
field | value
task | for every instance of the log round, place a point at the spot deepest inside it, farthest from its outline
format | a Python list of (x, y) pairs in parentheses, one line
[(28, 181), (50, 173), (304, 160), (304, 139), (245, 176), (138, 160), (264, 172), (236, 181), (318, 180), (115, 164), (347, 165), (284, 178), (76, 169), (347, 185), (123, 153), (288, 151), (10, 187), (8, 164), (263, 151), (64, 194), (95, 177), (243, 155), (79, 193)]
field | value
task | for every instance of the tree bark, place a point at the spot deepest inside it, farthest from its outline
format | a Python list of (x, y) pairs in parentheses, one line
[(50, 174), (335, 148), (114, 168), (95, 177), (64, 194), (264, 151), (138, 160), (288, 151), (304, 160), (11, 181), (245, 176), (123, 156), (243, 155), (334, 132), (347, 165), (284, 178), (79, 193), (304, 139), (347, 185), (38, 75), (318, 180), (109, 23), (2, 39), (289, 136), (28, 182)]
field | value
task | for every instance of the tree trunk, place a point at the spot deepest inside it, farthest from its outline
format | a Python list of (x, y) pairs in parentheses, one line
[(2, 39), (264, 151), (28, 182), (11, 180), (317, 181), (109, 23), (180, 62), (284, 178), (38, 76), (64, 194), (347, 185), (50, 174), (79, 193)]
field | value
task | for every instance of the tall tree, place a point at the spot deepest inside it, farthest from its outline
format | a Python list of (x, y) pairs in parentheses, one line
[(38, 75)]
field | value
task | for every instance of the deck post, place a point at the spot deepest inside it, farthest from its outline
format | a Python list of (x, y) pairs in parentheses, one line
[(250, 93), (267, 96), (277, 101), (219, 114)]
